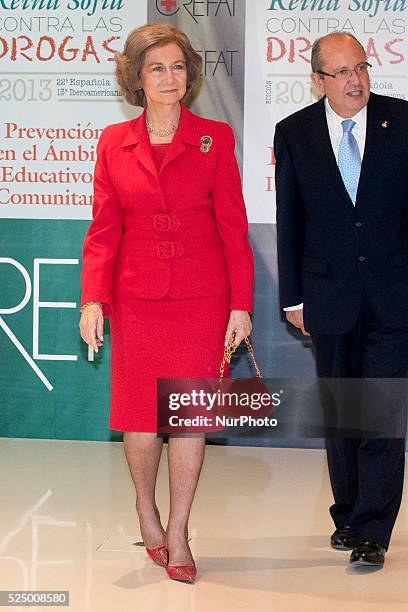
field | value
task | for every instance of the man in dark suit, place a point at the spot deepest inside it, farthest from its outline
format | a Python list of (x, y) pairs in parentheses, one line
[(342, 223)]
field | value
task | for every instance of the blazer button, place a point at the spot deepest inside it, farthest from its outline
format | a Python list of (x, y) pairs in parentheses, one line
[(362, 258), (358, 224)]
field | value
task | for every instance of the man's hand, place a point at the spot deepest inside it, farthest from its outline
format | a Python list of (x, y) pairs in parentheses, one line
[(296, 318)]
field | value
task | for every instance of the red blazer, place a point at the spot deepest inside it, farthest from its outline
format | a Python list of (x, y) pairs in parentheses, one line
[(180, 232)]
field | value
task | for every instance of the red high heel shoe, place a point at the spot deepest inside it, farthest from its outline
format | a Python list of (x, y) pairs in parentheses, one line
[(158, 555), (182, 573)]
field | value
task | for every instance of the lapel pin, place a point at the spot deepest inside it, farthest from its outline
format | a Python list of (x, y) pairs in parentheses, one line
[(206, 142), (384, 124)]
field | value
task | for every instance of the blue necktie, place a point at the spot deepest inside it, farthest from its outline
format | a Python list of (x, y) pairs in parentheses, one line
[(349, 160)]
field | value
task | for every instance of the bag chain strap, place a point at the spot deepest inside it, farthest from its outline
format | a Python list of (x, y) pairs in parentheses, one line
[(230, 349)]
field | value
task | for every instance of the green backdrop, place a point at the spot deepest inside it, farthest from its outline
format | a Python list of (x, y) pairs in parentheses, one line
[(78, 405)]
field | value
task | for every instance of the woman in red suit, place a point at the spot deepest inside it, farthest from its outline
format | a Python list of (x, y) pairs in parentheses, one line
[(167, 258)]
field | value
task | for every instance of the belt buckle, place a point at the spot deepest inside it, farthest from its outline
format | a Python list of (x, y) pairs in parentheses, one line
[(162, 222), (165, 249)]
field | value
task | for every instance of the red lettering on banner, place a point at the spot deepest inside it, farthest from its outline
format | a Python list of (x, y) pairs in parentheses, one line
[(62, 51), (372, 51), (293, 49), (388, 47), (40, 46), (47, 48), (281, 50), (22, 49), (4, 50), (270, 49), (109, 49), (89, 50), (270, 183)]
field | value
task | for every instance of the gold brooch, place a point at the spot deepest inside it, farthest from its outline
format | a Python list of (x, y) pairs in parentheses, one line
[(206, 142), (384, 124)]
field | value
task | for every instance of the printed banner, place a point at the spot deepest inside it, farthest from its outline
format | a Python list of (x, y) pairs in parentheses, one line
[(57, 92), (279, 38)]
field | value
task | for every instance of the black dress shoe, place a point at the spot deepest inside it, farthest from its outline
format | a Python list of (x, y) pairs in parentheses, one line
[(368, 552), (342, 539)]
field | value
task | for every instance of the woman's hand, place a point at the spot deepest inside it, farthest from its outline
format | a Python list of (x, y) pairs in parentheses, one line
[(240, 324), (91, 326)]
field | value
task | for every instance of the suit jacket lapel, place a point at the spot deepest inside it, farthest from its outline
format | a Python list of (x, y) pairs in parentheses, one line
[(318, 135), (186, 132), (138, 137), (375, 136)]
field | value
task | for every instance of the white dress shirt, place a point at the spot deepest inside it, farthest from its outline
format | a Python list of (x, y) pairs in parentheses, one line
[(336, 132), (334, 122)]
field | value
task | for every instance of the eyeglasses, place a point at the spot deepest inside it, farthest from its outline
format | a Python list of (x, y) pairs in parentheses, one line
[(342, 75)]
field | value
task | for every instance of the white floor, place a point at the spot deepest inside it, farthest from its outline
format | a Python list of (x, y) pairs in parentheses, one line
[(259, 530)]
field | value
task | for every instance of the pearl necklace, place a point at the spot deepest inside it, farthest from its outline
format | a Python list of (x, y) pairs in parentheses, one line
[(164, 132)]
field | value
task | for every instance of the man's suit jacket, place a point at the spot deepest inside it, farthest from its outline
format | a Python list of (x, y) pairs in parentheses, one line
[(330, 251), (180, 232)]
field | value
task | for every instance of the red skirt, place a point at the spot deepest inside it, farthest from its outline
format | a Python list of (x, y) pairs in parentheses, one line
[(164, 338)]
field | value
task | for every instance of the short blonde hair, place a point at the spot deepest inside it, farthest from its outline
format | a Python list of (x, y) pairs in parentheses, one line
[(129, 64)]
